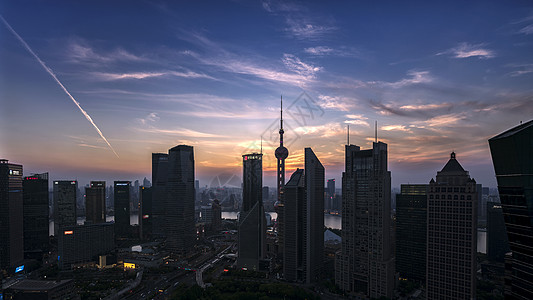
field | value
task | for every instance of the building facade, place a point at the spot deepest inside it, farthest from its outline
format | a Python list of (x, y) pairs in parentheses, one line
[(497, 241), (159, 193), (252, 222), (95, 207), (180, 223), (64, 204), (512, 156), (365, 264), (452, 234), (303, 257), (145, 214), (411, 232), (11, 214), (36, 235), (122, 209)]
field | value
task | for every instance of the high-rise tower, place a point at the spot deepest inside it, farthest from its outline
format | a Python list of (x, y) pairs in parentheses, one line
[(36, 235), (281, 154), (95, 210), (122, 209)]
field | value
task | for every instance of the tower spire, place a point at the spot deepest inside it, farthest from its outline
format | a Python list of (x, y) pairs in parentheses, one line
[(281, 119), (348, 135)]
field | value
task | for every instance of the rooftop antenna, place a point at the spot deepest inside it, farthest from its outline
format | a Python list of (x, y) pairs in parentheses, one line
[(261, 144), (348, 134), (376, 132)]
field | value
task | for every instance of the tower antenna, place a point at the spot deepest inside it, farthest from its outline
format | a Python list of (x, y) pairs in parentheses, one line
[(348, 135), (261, 144), (376, 131), (281, 119)]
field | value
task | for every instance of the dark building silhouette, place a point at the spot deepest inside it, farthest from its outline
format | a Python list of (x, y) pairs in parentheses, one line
[(365, 264), (11, 213), (36, 235), (497, 242), (83, 243), (303, 257), (330, 194), (216, 223), (64, 204), (180, 223), (95, 207), (252, 222), (122, 209), (512, 156), (411, 231), (452, 234), (145, 214), (41, 289), (159, 192)]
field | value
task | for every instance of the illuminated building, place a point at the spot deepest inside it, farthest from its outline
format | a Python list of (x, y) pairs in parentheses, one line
[(11, 202)]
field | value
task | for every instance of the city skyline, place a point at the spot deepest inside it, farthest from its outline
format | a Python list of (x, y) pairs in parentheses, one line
[(211, 77)]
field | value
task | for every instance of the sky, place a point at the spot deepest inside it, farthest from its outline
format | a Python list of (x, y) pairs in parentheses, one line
[(89, 89)]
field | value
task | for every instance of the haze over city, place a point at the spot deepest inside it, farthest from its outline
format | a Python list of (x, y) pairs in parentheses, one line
[(437, 77)]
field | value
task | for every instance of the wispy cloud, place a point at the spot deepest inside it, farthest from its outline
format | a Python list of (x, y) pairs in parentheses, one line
[(337, 103), (527, 30), (522, 69), (328, 51), (294, 64), (465, 50), (302, 28), (79, 51), (143, 75), (357, 120), (182, 132), (395, 127)]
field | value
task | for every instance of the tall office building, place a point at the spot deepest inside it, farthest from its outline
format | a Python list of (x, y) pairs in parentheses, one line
[(122, 209), (145, 214), (95, 208), (11, 213), (83, 243), (159, 192), (365, 265), (64, 204), (411, 232), (303, 257), (452, 234), (36, 235), (179, 207), (497, 242), (512, 156), (252, 222), (330, 194)]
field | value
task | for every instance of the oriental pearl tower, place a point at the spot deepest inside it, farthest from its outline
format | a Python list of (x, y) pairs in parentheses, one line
[(281, 154)]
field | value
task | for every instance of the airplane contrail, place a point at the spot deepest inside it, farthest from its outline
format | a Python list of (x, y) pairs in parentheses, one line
[(58, 82)]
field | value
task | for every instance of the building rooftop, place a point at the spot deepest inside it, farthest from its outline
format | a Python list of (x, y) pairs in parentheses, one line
[(513, 130), (38, 285), (452, 165)]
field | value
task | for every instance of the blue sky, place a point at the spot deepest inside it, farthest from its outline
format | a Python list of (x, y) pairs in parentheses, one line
[(438, 77)]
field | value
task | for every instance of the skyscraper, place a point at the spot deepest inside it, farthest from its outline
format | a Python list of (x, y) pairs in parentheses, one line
[(145, 214), (64, 204), (159, 192), (95, 208), (411, 232), (512, 156), (122, 209), (497, 242), (281, 154), (252, 222), (365, 265), (452, 234), (303, 257), (36, 235), (11, 213), (179, 207), (330, 194)]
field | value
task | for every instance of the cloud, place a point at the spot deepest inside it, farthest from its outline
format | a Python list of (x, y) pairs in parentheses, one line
[(336, 103), (527, 30), (325, 50), (465, 50), (423, 107), (416, 77), (357, 120), (395, 127), (305, 29), (183, 132), (320, 50), (522, 70), (294, 64), (80, 52), (143, 75), (150, 118)]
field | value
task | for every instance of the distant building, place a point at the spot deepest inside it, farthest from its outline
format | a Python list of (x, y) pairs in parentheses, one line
[(146, 183), (252, 222), (180, 225), (411, 232), (330, 195), (36, 234), (512, 156), (497, 242), (159, 192), (217, 215), (11, 214), (303, 256), (64, 204), (84, 243), (41, 289), (452, 234), (95, 207), (122, 209), (365, 265), (145, 214)]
